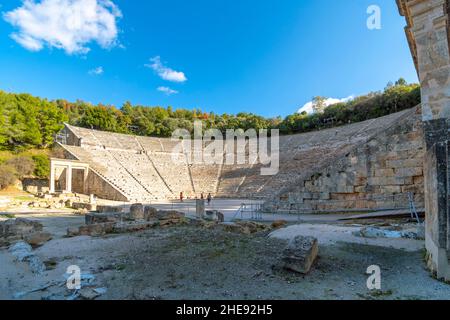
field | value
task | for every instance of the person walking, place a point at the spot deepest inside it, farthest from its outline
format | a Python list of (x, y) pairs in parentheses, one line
[(209, 198)]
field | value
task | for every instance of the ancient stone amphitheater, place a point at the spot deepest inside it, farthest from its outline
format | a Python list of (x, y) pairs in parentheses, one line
[(374, 164)]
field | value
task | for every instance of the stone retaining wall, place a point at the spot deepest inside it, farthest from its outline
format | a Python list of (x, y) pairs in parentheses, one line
[(376, 175)]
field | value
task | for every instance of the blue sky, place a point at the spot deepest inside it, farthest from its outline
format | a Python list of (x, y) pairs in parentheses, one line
[(263, 56)]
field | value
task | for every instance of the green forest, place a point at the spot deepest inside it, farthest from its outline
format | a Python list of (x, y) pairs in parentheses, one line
[(28, 124)]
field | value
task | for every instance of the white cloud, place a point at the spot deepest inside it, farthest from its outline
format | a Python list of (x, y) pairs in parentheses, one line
[(168, 91), (69, 25), (308, 107), (164, 72), (96, 71)]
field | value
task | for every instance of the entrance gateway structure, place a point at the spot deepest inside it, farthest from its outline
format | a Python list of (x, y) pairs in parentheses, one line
[(428, 33)]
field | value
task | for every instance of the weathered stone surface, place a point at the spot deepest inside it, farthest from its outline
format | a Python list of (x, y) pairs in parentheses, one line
[(38, 238), (82, 205), (279, 224), (150, 213), (133, 226), (95, 230), (136, 212), (95, 218), (73, 232), (244, 227), (220, 217), (110, 209), (300, 254), (19, 227), (170, 215), (214, 215), (88, 294)]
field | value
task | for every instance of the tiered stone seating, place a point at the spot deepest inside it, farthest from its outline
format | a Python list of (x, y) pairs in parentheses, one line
[(205, 178), (104, 163), (142, 167), (150, 144), (175, 173), (168, 145)]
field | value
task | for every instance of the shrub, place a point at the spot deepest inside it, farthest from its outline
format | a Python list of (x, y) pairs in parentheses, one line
[(7, 176), (42, 166), (24, 166)]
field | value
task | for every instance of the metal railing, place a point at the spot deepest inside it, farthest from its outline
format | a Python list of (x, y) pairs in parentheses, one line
[(256, 211)]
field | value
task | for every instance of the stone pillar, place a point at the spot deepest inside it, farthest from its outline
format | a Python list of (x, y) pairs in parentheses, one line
[(200, 208), (69, 179), (85, 181), (52, 177), (428, 35)]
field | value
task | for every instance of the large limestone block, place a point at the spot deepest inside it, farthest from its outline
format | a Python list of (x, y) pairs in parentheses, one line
[(103, 209), (94, 218), (19, 227), (150, 213), (300, 254), (38, 238), (170, 215), (98, 229), (137, 212)]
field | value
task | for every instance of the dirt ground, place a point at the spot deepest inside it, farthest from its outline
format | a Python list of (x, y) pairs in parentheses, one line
[(188, 262)]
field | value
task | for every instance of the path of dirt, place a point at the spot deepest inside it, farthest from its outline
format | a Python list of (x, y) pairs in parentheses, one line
[(188, 262)]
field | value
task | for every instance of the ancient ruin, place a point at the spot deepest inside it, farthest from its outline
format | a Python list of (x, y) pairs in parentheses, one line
[(345, 200), (369, 165), (428, 32)]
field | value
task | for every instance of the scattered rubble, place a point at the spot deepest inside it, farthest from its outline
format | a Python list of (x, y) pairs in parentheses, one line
[(300, 254), (244, 227), (13, 230), (137, 219)]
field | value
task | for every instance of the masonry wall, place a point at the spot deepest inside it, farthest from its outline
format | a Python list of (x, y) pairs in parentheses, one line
[(101, 188), (377, 175), (35, 185)]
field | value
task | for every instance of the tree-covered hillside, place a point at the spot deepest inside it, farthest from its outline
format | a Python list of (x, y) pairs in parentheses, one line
[(28, 124)]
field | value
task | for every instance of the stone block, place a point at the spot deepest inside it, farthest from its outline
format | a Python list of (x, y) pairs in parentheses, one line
[(115, 209), (405, 163), (409, 172), (135, 226), (95, 218), (391, 189), (389, 181), (38, 238), (325, 196), (279, 224), (150, 213), (82, 205), (170, 215), (384, 173), (73, 232), (19, 227), (300, 254), (136, 212), (98, 229)]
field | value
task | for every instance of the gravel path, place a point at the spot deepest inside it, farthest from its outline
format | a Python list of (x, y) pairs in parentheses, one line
[(193, 263)]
